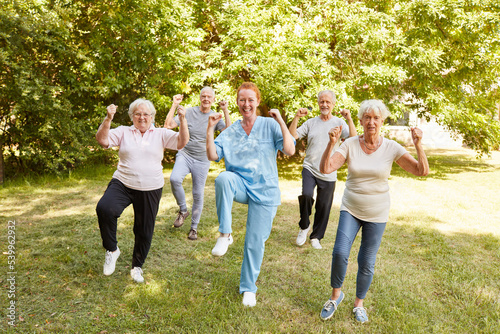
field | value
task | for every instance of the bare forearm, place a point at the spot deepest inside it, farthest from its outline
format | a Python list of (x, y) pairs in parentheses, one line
[(169, 121), (103, 133), (293, 127), (325, 165), (183, 133), (211, 150), (352, 128), (227, 119), (288, 142), (423, 164)]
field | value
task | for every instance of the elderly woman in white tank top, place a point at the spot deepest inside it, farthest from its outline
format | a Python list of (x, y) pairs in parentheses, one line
[(366, 201)]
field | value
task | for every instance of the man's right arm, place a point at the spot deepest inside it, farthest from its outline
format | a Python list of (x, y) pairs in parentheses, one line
[(295, 121), (169, 121)]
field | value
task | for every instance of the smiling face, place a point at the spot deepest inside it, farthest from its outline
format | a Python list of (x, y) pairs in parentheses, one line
[(372, 122), (207, 98), (248, 103), (326, 104), (142, 118)]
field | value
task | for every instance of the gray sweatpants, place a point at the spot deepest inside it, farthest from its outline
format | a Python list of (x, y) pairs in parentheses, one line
[(199, 171)]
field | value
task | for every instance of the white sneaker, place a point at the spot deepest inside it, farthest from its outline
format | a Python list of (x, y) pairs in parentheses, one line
[(301, 238), (222, 245), (136, 274), (110, 261), (249, 299), (315, 244)]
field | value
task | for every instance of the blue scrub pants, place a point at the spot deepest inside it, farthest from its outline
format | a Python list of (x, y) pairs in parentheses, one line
[(371, 237), (229, 187)]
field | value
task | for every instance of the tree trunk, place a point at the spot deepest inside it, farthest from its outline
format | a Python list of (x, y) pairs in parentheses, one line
[(1, 166)]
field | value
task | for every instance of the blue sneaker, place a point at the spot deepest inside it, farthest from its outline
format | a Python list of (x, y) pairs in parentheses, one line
[(360, 314), (330, 307)]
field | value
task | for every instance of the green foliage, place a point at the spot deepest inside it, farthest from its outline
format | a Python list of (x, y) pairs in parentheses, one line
[(451, 55), (40, 131), (62, 62)]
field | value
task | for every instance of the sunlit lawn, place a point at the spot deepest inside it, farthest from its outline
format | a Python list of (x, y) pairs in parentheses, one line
[(438, 268)]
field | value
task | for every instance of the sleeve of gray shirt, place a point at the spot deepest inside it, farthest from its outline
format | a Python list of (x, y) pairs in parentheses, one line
[(303, 130)]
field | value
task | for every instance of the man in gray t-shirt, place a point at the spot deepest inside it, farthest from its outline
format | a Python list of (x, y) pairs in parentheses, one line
[(316, 130), (193, 157)]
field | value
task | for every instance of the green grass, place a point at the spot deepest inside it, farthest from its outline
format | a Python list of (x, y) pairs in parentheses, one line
[(438, 269)]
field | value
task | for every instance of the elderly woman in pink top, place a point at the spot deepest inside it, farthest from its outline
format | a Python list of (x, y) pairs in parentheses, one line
[(138, 179), (366, 201)]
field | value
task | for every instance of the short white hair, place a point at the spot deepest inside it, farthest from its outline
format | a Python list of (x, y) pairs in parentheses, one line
[(327, 91), (134, 105), (209, 89), (376, 106)]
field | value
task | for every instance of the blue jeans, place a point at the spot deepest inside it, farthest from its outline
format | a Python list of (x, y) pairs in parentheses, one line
[(229, 187), (371, 237)]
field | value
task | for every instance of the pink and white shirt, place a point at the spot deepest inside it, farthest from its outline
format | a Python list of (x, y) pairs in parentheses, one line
[(140, 165)]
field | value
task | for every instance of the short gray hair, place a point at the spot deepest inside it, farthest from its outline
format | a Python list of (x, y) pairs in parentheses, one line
[(376, 106), (208, 88), (327, 91), (134, 105)]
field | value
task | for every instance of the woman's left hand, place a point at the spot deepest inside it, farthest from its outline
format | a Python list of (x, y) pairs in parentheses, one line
[(335, 134), (213, 119), (416, 135), (275, 113)]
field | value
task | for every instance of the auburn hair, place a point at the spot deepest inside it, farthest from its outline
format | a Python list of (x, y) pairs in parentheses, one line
[(251, 86)]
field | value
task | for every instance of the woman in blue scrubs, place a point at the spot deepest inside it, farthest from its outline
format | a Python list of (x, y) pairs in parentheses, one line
[(249, 148)]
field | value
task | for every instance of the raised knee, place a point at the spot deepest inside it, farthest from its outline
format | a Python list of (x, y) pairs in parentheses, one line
[(175, 181), (104, 210), (222, 180)]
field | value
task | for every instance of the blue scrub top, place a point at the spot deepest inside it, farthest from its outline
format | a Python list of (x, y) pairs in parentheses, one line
[(253, 157)]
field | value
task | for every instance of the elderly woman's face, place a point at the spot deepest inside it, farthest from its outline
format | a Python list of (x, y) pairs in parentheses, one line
[(142, 118), (248, 102), (371, 122)]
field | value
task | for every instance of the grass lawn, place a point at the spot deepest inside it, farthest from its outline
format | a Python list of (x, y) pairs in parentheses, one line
[(438, 269)]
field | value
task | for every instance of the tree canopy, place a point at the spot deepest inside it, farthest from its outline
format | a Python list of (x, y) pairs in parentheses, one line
[(62, 62)]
